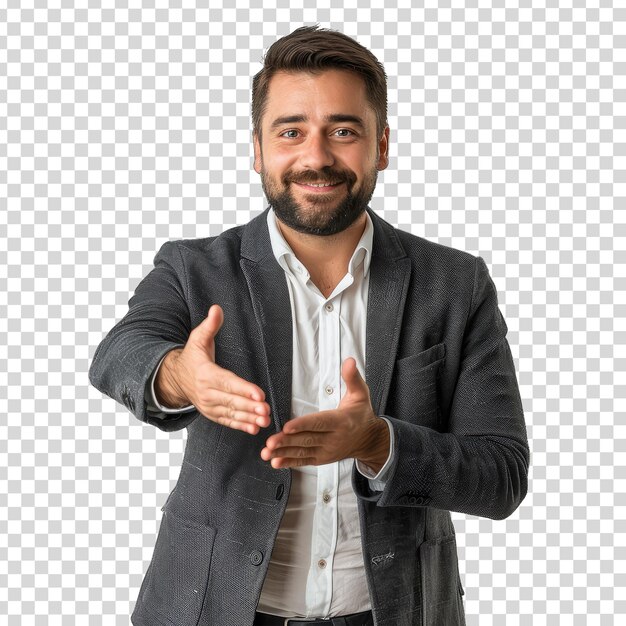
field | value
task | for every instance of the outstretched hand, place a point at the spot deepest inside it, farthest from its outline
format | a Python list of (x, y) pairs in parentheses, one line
[(352, 430), (191, 376)]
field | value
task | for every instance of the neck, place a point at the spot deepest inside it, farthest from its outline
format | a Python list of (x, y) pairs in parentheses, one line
[(325, 255)]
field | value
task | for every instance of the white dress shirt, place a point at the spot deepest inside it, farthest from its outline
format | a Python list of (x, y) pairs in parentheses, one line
[(316, 568)]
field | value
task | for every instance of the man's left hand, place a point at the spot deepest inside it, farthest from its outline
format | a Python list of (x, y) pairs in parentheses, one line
[(352, 430)]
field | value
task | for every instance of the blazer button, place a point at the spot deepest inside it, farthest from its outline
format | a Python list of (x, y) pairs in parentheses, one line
[(256, 557)]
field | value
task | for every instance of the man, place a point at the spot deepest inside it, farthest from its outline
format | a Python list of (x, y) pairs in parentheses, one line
[(350, 386)]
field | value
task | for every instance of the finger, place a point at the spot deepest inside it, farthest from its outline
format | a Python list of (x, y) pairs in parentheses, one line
[(238, 403), (228, 381), (226, 413), (351, 375), (314, 422), (292, 452), (215, 318), (251, 429), (279, 441), (204, 333), (235, 408), (279, 463)]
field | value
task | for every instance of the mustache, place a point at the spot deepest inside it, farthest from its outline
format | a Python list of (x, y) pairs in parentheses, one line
[(325, 175)]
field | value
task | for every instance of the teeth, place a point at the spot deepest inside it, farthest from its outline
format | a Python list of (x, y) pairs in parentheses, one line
[(320, 184)]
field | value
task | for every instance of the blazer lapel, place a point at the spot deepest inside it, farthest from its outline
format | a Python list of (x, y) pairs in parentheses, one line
[(269, 293), (390, 272)]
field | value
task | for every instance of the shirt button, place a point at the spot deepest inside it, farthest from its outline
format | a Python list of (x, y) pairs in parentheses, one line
[(256, 557), (329, 307), (326, 497), (329, 390), (321, 563)]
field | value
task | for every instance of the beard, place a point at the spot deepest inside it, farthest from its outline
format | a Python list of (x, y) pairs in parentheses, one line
[(325, 215)]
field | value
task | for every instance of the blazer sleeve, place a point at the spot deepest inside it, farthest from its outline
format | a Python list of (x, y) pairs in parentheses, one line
[(157, 321), (480, 465)]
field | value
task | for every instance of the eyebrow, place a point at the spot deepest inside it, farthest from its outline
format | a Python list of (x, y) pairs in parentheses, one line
[(332, 119)]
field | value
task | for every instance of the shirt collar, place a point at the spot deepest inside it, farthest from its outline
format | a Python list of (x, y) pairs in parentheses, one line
[(288, 260)]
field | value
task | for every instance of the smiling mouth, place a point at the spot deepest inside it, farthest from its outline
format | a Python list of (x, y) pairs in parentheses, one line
[(319, 187)]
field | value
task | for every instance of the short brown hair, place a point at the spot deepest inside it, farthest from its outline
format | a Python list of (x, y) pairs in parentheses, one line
[(313, 49)]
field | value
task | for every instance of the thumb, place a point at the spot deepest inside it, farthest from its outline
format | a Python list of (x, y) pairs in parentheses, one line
[(352, 377), (204, 333)]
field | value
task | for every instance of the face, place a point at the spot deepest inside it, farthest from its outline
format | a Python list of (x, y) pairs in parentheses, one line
[(319, 155)]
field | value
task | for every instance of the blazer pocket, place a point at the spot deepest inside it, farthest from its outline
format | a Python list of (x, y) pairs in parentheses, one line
[(175, 584), (414, 393), (441, 589), (424, 358)]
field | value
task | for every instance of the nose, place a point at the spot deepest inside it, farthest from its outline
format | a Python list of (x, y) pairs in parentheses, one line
[(316, 152)]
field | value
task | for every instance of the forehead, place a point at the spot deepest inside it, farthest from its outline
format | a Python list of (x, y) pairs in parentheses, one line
[(319, 95)]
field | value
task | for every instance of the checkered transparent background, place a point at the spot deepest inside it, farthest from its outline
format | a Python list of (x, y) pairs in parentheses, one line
[(121, 128)]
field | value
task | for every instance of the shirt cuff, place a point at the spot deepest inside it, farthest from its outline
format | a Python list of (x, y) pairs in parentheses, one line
[(378, 481), (152, 402)]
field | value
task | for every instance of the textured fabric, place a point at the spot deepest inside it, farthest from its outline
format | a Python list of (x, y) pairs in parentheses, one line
[(321, 520), (438, 365)]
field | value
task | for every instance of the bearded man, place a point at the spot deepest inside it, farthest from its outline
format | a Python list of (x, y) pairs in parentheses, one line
[(344, 384)]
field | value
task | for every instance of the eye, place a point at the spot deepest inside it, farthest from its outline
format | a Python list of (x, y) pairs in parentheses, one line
[(284, 133), (346, 132)]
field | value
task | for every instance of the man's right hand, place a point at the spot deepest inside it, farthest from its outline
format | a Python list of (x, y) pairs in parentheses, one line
[(190, 375)]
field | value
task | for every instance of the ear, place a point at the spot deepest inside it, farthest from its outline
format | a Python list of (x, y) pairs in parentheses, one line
[(258, 160), (383, 150)]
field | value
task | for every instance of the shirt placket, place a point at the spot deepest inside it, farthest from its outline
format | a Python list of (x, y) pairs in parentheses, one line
[(325, 527)]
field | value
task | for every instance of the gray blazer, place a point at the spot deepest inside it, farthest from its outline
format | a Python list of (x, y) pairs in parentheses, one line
[(437, 364)]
